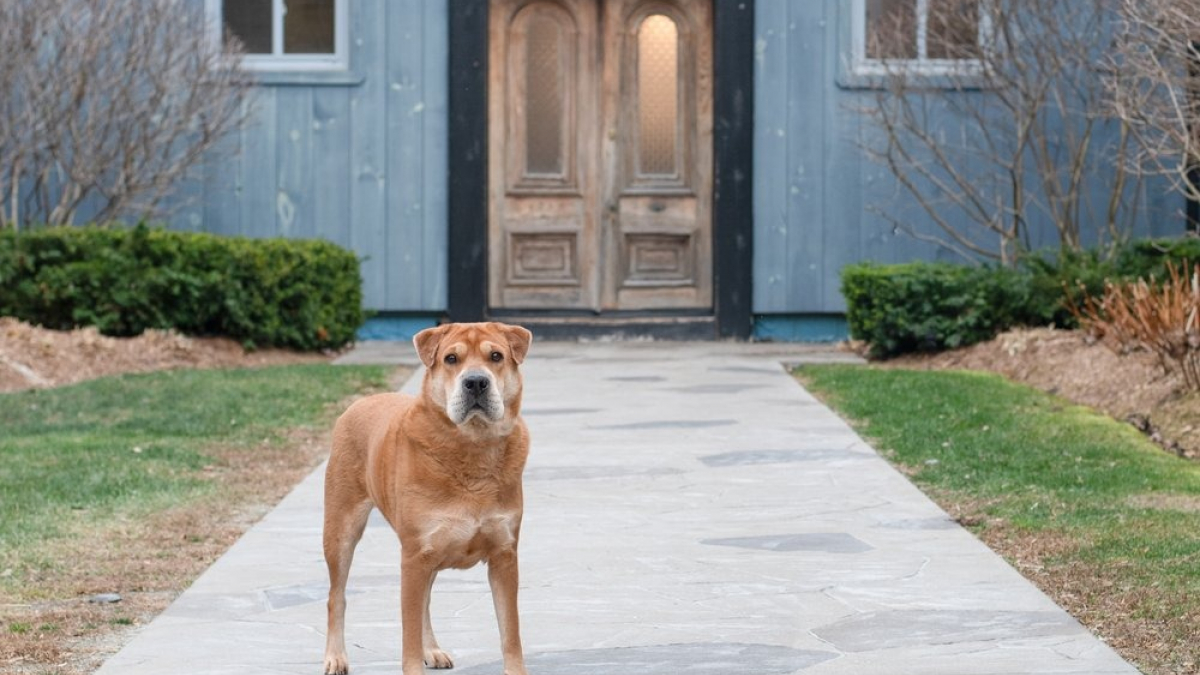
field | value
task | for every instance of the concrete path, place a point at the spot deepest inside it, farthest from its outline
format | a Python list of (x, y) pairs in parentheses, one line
[(689, 509)]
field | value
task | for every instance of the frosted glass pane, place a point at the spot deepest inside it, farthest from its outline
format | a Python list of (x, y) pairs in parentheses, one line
[(543, 96), (250, 22), (658, 95)]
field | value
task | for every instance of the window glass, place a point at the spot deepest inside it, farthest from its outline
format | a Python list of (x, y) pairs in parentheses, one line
[(250, 22), (308, 27), (891, 29), (952, 31)]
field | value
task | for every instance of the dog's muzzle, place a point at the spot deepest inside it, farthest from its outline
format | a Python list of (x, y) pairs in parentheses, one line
[(476, 393)]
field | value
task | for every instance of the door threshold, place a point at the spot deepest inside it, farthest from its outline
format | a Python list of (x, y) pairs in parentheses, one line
[(617, 328)]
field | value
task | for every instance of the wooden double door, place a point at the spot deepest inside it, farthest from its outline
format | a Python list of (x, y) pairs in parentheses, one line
[(600, 154)]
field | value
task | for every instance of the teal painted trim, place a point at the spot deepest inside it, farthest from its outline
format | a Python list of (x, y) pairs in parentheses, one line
[(801, 327), (395, 328)]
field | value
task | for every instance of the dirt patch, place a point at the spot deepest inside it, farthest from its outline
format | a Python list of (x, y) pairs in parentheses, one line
[(1131, 387), (35, 357)]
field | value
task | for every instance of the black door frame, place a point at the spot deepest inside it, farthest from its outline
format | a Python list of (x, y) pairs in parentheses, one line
[(733, 163)]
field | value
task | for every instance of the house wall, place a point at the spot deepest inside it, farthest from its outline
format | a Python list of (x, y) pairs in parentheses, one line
[(358, 159), (361, 159), (814, 190)]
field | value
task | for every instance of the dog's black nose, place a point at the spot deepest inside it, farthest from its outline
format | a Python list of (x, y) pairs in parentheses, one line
[(475, 384)]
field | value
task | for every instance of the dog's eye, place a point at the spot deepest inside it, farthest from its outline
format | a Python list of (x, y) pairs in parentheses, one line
[(451, 359), (497, 356)]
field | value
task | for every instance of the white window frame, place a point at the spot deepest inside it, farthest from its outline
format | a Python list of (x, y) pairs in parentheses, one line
[(922, 65), (277, 61)]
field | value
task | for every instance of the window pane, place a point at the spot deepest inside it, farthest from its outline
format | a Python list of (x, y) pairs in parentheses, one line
[(891, 29), (658, 95), (250, 22), (308, 27), (953, 29), (544, 96)]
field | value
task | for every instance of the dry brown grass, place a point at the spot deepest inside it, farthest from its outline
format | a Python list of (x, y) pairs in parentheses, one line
[(1162, 317)]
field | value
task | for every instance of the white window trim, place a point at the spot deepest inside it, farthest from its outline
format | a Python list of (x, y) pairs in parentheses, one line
[(920, 66), (280, 62)]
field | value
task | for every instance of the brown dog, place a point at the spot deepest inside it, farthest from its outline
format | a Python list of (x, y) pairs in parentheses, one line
[(445, 470)]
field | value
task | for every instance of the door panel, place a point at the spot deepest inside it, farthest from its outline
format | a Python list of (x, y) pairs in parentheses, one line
[(601, 154), (542, 220)]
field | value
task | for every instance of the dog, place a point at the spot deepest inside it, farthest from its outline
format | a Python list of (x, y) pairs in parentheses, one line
[(444, 468)]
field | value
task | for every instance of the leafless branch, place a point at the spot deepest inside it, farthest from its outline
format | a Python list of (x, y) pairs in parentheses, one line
[(107, 106), (1012, 128)]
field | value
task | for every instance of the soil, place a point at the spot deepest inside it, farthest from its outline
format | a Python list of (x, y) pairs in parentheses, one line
[(35, 357)]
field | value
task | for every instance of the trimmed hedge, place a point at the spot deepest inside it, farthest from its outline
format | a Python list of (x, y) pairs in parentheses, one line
[(302, 294), (918, 307), (923, 306)]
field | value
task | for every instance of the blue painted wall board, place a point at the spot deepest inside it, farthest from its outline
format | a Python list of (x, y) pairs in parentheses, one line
[(331, 164), (355, 157)]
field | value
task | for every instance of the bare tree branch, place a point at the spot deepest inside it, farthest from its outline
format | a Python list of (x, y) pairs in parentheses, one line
[(109, 105), (1034, 125)]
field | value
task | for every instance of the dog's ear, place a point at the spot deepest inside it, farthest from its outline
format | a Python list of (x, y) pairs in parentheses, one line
[(518, 341), (427, 342)]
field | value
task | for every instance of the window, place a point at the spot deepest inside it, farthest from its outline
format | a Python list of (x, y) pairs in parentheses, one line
[(925, 37), (287, 35)]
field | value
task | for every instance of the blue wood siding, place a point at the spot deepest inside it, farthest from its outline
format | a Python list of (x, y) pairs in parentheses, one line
[(358, 158), (813, 185)]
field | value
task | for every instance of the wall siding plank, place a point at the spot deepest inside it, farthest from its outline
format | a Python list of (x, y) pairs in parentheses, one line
[(258, 170), (405, 104), (368, 150), (294, 194), (770, 157), (805, 139), (330, 162), (434, 155)]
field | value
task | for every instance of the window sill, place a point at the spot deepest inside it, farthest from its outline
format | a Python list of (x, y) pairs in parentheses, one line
[(307, 78), (917, 78)]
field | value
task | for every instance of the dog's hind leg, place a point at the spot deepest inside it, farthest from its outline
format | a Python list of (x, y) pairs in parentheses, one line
[(434, 656), (345, 521)]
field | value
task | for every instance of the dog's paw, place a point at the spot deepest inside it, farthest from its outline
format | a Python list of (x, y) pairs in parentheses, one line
[(436, 658), (336, 664)]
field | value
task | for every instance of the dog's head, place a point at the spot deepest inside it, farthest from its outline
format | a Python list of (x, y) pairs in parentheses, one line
[(471, 370)]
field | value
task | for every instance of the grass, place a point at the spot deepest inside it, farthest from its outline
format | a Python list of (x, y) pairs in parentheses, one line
[(119, 448), (1098, 516)]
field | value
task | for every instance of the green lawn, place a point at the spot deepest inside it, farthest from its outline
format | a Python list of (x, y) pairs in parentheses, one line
[(1029, 467), (117, 447)]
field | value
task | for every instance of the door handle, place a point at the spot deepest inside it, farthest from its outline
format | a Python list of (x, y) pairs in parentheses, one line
[(658, 207)]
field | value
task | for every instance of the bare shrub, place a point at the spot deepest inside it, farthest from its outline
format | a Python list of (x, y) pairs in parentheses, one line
[(1007, 126), (1156, 87), (106, 106), (1162, 317)]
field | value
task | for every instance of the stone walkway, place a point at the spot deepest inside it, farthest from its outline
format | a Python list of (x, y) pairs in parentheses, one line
[(689, 510)]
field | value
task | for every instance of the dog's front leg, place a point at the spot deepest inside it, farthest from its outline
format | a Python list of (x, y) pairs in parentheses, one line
[(503, 578), (416, 576)]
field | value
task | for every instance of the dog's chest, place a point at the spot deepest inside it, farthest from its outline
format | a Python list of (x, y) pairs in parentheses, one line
[(465, 538)]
